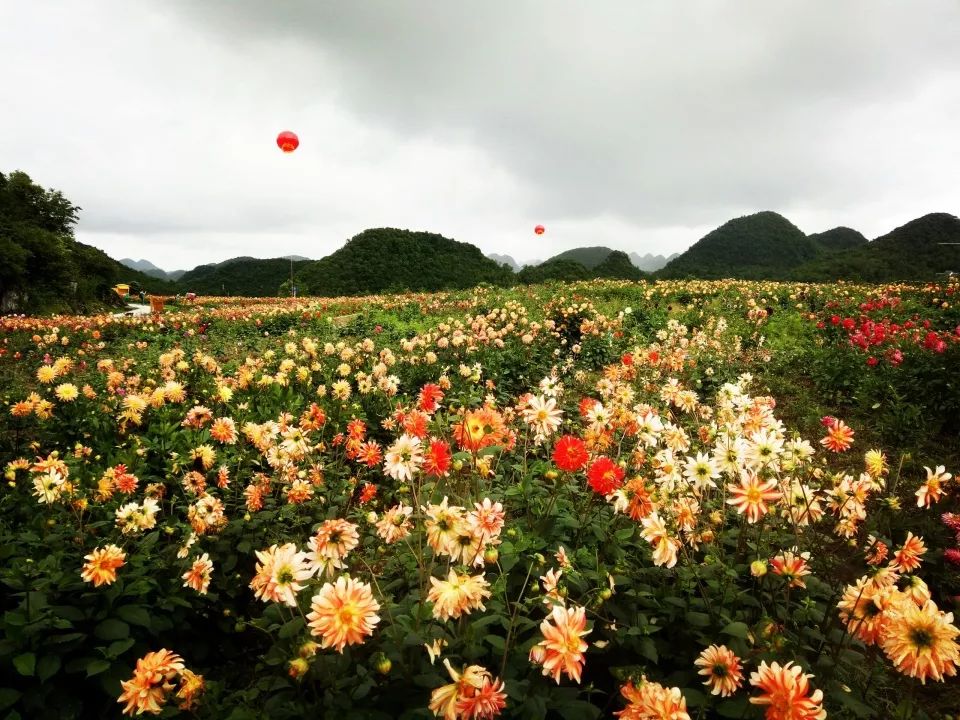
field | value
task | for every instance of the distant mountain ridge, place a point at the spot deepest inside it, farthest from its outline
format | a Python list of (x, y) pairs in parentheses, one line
[(763, 245), (504, 260), (651, 263), (591, 257), (45, 269), (148, 268)]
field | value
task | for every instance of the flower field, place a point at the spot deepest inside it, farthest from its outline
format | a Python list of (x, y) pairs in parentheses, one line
[(664, 501)]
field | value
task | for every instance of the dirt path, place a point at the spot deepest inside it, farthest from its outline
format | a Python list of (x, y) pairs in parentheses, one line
[(133, 310)]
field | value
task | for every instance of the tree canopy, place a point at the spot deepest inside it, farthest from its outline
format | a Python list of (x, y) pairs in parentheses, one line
[(44, 268)]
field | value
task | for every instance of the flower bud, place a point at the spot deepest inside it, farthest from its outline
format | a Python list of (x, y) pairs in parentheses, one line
[(491, 555), (758, 568), (298, 668), (382, 663), (308, 649)]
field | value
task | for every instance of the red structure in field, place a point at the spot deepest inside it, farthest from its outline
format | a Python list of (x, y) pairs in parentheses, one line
[(539, 229)]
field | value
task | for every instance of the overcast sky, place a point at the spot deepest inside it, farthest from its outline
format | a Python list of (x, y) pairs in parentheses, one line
[(635, 124)]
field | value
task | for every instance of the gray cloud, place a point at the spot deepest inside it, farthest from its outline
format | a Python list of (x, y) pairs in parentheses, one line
[(638, 125)]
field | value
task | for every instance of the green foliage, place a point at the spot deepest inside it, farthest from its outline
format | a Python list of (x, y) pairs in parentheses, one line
[(388, 259)]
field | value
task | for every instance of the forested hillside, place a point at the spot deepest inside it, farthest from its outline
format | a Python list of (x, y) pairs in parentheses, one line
[(385, 259), (43, 268)]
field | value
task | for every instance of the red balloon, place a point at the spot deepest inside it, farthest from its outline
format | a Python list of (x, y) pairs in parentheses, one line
[(288, 141), (539, 229)]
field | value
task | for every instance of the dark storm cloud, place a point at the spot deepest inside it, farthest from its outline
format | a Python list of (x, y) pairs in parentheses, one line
[(662, 113)]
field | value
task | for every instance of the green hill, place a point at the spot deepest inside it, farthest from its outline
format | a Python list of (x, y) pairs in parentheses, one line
[(43, 268), (589, 257), (388, 259), (617, 265), (555, 269), (251, 277), (911, 252), (839, 238), (760, 246)]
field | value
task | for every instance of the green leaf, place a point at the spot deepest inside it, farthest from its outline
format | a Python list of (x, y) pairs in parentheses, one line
[(362, 690), (8, 696), (649, 649), (694, 697), (135, 615), (852, 704), (112, 629), (698, 619), (25, 663), (291, 629), (48, 667), (118, 648), (95, 667), (735, 708), (485, 620), (736, 629), (578, 710), (495, 641), (68, 637)]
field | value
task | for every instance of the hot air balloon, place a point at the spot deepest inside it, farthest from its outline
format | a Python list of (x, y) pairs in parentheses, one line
[(539, 229), (288, 141)]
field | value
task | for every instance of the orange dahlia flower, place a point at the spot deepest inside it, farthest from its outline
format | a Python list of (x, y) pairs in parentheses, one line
[(722, 669), (102, 564), (343, 613), (751, 496), (563, 646), (921, 641), (152, 679), (786, 693)]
